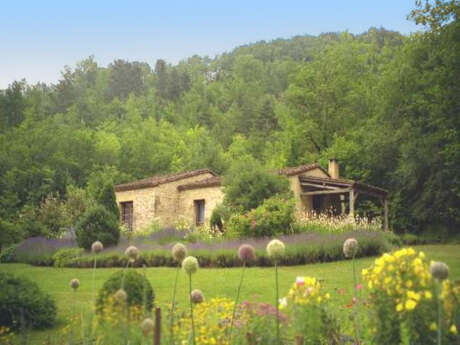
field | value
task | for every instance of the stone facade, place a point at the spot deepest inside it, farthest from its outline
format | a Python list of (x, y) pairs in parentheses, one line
[(173, 198)]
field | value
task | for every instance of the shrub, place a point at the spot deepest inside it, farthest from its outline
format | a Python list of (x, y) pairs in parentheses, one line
[(274, 217), (137, 287), (8, 254), (247, 185), (64, 256), (106, 197), (97, 224), (9, 233), (21, 298)]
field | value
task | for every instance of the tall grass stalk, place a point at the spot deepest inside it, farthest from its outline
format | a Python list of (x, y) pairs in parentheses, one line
[(355, 304), (191, 307), (173, 306), (277, 305), (236, 302)]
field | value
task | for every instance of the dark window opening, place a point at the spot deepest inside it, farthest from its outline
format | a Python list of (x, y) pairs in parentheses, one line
[(199, 211), (317, 203), (127, 214)]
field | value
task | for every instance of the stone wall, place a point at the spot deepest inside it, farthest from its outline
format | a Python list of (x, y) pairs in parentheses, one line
[(212, 196), (143, 205), (160, 203), (167, 199), (303, 203)]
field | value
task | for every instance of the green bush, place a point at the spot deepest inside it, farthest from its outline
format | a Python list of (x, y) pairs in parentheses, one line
[(22, 299), (9, 234), (106, 197), (97, 224), (64, 256), (136, 285), (247, 185), (8, 254), (274, 217)]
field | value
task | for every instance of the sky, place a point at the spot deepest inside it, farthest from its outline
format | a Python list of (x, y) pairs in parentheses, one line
[(39, 38)]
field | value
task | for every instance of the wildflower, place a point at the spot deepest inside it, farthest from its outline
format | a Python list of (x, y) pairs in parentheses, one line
[(453, 329), (97, 247), (300, 281), (428, 294), (433, 326), (350, 247), (246, 253), (410, 304), (120, 296), (132, 253), (283, 303), (74, 284), (190, 265), (147, 326), (179, 252), (399, 307), (197, 296), (439, 270), (275, 249)]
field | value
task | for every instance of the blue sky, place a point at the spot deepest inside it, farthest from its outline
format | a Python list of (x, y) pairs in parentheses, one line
[(38, 38)]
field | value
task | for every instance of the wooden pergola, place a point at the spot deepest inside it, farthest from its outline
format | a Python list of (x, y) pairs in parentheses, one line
[(312, 186)]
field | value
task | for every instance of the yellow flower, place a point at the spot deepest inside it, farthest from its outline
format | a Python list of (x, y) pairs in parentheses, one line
[(453, 329), (433, 326), (410, 304), (399, 307), (409, 284), (327, 296), (428, 294)]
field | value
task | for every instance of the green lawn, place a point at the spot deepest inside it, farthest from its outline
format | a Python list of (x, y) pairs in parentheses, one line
[(258, 285)]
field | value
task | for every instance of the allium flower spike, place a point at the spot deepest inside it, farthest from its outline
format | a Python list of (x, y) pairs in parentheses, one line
[(179, 252), (275, 249), (147, 326), (132, 253), (197, 296), (246, 253), (350, 247), (74, 284), (190, 265), (97, 247), (120, 296), (439, 270)]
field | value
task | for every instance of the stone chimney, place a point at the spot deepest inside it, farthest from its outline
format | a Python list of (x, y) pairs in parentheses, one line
[(333, 168)]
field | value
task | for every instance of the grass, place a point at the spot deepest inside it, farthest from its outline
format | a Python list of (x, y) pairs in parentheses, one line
[(218, 282)]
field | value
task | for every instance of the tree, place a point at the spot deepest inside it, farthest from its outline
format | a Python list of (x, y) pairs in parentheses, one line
[(247, 185)]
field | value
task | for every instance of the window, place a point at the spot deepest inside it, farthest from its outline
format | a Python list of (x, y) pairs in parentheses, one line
[(127, 214), (199, 211)]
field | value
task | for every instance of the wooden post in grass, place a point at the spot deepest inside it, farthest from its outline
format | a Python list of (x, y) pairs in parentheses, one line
[(298, 340), (157, 330)]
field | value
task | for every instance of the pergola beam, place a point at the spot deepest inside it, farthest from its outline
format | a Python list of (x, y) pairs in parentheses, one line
[(315, 185), (335, 191)]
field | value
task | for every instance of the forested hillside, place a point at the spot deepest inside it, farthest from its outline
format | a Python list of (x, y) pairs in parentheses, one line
[(386, 105)]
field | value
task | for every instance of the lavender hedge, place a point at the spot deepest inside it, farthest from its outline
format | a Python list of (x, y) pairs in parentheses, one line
[(301, 249)]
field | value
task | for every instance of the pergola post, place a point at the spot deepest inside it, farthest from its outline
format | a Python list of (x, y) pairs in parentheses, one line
[(385, 214), (352, 203)]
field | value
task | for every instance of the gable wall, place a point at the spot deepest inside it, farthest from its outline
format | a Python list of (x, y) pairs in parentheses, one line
[(212, 196), (143, 205), (303, 203)]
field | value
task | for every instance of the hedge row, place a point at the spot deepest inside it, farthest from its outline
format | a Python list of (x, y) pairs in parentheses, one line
[(296, 254)]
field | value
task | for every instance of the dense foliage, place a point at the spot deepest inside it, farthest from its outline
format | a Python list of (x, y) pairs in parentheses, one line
[(384, 104), (97, 224), (23, 304), (136, 285), (273, 218)]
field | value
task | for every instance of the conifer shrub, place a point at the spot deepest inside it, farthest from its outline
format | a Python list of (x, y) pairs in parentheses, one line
[(23, 304), (97, 224), (137, 287)]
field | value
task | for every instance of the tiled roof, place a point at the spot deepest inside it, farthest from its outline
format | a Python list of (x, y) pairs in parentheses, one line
[(157, 180), (214, 181), (301, 169)]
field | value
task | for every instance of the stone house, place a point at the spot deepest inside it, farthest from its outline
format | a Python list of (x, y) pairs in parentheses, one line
[(191, 196)]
